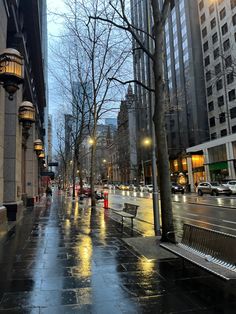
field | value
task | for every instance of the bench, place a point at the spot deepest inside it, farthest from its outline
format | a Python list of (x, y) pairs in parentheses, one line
[(211, 250), (129, 211)]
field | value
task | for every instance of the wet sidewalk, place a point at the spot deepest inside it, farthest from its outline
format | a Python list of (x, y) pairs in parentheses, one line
[(65, 258)]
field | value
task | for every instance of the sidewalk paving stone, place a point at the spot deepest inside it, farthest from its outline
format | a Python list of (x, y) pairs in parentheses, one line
[(67, 258)]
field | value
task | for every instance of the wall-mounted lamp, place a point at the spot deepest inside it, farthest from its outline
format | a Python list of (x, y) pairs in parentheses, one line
[(42, 155), (11, 71), (38, 146), (26, 116)]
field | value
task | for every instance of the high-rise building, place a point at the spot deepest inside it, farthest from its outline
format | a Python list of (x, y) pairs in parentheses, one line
[(186, 114), (217, 23)]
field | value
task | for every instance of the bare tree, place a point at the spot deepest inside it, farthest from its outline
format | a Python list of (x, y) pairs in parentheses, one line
[(97, 53), (156, 54)]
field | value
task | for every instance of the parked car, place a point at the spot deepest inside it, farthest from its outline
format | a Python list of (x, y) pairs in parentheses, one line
[(177, 188), (148, 188), (232, 185), (213, 188)]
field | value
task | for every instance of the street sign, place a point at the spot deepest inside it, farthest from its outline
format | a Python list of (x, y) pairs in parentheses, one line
[(53, 164), (48, 174)]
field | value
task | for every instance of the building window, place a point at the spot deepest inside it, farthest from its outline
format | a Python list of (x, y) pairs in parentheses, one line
[(234, 19), (223, 132), (230, 78), (210, 106), (203, 18), (208, 76), (216, 53), (226, 44), (233, 113), (233, 4), (224, 29), (207, 60), (213, 136), (211, 8), (228, 61), (222, 117), (204, 32), (219, 84), (214, 38), (213, 23), (234, 129), (217, 68), (201, 4), (222, 13), (209, 91), (205, 46), (220, 101), (231, 95), (212, 122)]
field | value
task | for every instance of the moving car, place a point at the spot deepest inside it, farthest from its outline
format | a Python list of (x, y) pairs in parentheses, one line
[(232, 185), (177, 188), (213, 188)]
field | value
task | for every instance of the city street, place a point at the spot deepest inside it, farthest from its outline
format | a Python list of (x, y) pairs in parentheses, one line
[(210, 211), (65, 258)]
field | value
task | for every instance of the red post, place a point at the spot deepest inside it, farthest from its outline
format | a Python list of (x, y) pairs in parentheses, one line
[(105, 199)]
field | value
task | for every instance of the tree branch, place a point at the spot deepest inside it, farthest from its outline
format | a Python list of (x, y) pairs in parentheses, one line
[(132, 81)]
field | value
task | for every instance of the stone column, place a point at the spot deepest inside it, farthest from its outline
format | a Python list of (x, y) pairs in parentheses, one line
[(3, 35), (206, 164), (12, 158), (190, 173), (31, 175), (230, 159)]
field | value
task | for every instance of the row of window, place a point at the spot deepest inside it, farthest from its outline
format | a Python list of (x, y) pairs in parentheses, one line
[(223, 132), (224, 28), (212, 6), (222, 117)]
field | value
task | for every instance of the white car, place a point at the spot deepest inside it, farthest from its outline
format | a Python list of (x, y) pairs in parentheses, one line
[(231, 185), (148, 188)]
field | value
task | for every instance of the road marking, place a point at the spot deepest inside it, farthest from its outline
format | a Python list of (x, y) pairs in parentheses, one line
[(192, 214), (207, 223), (230, 222)]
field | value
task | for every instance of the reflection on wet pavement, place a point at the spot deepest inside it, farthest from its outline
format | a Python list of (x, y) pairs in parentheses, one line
[(69, 259)]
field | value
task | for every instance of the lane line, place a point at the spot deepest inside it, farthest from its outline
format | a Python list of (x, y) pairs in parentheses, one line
[(204, 222), (230, 222)]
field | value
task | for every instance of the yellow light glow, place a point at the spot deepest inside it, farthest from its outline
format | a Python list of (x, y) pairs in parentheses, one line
[(147, 141)]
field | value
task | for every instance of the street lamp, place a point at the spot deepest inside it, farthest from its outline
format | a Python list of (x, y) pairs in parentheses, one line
[(146, 142), (11, 71)]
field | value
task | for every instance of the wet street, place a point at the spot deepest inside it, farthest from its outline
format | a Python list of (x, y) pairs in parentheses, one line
[(65, 258)]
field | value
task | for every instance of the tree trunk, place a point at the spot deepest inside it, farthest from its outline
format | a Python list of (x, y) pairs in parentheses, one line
[(160, 130)]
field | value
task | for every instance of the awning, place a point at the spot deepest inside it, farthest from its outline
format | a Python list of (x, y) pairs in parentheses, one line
[(218, 166)]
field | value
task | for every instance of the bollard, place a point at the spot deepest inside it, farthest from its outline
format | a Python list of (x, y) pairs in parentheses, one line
[(105, 194)]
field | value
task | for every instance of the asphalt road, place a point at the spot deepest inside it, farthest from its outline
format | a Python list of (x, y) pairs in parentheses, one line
[(218, 213)]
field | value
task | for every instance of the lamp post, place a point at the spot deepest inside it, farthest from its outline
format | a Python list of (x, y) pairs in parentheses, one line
[(11, 71), (147, 142), (38, 146)]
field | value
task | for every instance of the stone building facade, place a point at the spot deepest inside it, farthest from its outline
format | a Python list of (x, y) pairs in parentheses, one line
[(21, 29)]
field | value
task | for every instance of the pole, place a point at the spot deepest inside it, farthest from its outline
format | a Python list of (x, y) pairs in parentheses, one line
[(143, 172)]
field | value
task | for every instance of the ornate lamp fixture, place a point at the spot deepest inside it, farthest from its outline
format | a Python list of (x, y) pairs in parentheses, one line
[(41, 155), (38, 146), (11, 71), (26, 116)]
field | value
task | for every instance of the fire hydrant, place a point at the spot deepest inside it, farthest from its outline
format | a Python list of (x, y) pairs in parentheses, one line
[(105, 194)]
